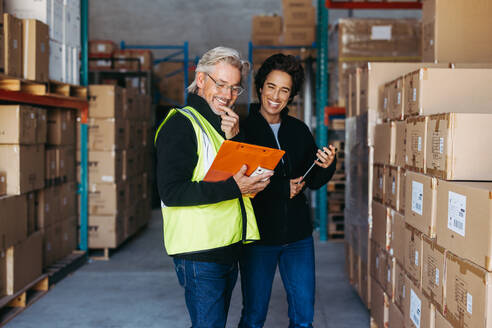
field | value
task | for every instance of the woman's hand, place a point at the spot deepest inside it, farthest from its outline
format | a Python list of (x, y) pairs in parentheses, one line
[(325, 156), (296, 186)]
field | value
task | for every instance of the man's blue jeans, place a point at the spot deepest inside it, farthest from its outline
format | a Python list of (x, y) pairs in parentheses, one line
[(208, 290), (296, 264)]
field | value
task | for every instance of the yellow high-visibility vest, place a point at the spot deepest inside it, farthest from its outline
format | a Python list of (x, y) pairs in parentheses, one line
[(189, 229)]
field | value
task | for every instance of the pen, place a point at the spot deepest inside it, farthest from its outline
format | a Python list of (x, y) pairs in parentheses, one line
[(310, 168)]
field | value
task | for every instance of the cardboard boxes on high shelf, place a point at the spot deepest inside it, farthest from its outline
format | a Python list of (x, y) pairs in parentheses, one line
[(119, 164)]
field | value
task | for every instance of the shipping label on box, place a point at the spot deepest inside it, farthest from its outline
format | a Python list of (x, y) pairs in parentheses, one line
[(455, 138), (400, 143), (413, 254), (17, 124), (468, 293), (270, 25), (107, 199), (392, 189), (384, 143), (418, 311), (397, 245), (381, 225), (420, 202), (379, 304), (378, 182), (416, 143), (433, 272), (106, 134), (105, 166), (24, 166), (464, 216), (105, 101)]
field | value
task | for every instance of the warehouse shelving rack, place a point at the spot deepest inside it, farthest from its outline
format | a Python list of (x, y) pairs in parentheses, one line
[(181, 51), (322, 78)]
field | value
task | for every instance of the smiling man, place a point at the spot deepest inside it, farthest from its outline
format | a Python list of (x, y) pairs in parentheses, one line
[(206, 223)]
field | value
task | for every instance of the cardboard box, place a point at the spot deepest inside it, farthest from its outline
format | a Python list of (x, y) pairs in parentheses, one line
[(381, 225), (400, 286), (390, 38), (102, 47), (389, 283), (384, 143), (419, 312), (379, 185), (3, 183), (24, 166), (455, 138), (107, 199), (403, 188), (105, 166), (106, 231), (400, 143), (41, 125), (50, 164), (384, 101), (433, 272), (379, 305), (359, 91), (24, 263), (36, 51), (13, 220), (131, 160), (3, 274), (61, 127), (298, 36), (295, 3), (365, 284), (299, 16), (105, 101), (31, 213), (48, 206), (397, 242), (68, 201), (441, 90), (69, 236), (266, 25), (413, 254), (441, 321), (416, 143), (2, 46), (379, 263), (396, 104), (17, 124), (444, 40), (106, 134), (392, 189), (395, 317), (420, 202), (52, 244), (265, 39), (468, 293), (464, 218), (12, 29)]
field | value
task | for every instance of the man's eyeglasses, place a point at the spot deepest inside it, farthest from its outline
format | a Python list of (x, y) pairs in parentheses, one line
[(236, 89)]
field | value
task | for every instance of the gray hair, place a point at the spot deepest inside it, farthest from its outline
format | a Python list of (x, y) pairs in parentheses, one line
[(215, 56)]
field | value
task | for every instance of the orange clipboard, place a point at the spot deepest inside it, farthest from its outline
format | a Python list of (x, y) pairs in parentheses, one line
[(232, 155)]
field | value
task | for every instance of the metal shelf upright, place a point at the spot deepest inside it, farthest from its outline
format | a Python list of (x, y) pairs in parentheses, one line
[(182, 50)]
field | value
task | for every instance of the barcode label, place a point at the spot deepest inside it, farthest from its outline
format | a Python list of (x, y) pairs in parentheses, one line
[(441, 145), (393, 187), (399, 97), (469, 303), (415, 308), (417, 197), (389, 275), (437, 277), (457, 213), (419, 144), (385, 103), (414, 97), (416, 258), (380, 183)]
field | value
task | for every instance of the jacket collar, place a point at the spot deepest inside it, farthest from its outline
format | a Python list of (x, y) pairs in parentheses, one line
[(201, 105), (254, 112)]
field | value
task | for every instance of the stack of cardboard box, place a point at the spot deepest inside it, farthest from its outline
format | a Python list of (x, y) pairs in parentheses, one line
[(170, 81), (37, 223), (62, 19), (119, 157), (369, 40)]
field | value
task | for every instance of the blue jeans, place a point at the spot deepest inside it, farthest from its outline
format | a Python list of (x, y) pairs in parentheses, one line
[(208, 290), (296, 264)]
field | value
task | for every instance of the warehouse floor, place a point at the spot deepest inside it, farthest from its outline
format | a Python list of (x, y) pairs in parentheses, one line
[(138, 288)]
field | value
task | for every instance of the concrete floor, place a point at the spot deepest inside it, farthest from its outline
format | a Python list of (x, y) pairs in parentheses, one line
[(138, 288)]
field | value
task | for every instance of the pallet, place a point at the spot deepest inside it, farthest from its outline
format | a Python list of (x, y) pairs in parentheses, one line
[(336, 227), (336, 217), (66, 266), (51, 88), (336, 206), (335, 186), (10, 306)]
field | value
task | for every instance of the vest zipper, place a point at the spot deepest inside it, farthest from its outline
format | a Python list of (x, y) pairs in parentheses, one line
[(244, 218)]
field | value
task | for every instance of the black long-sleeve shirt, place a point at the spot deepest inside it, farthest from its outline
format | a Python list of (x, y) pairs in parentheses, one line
[(176, 160), (282, 220)]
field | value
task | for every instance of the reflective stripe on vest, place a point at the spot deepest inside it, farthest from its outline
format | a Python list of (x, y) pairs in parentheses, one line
[(189, 229)]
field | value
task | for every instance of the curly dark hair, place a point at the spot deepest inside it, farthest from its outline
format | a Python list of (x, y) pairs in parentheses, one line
[(285, 63)]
